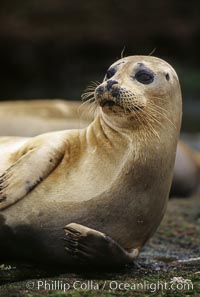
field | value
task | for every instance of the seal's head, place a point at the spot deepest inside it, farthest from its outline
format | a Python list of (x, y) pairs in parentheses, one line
[(139, 91)]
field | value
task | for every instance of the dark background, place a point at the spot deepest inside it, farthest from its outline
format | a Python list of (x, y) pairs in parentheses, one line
[(54, 48)]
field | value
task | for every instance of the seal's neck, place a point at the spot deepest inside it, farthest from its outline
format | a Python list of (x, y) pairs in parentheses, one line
[(101, 131), (135, 157), (126, 143)]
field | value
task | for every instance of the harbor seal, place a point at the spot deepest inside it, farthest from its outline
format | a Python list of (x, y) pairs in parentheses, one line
[(186, 178), (34, 117), (107, 185)]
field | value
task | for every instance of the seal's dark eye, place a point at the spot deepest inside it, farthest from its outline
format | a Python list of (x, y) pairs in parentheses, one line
[(145, 77), (167, 76), (110, 73)]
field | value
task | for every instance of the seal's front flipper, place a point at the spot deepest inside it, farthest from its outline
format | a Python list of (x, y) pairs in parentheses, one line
[(31, 164), (92, 247)]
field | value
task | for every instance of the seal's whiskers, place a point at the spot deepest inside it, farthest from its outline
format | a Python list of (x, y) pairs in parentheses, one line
[(162, 112)]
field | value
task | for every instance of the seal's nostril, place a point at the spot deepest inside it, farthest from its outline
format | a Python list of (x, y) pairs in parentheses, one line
[(99, 90), (116, 92), (110, 83)]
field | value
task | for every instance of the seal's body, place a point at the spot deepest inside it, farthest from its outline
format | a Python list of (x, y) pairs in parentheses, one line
[(113, 176)]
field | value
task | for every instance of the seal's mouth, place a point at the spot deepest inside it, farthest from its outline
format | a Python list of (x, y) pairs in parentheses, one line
[(126, 107), (108, 103)]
